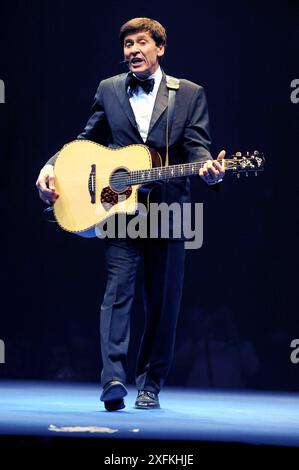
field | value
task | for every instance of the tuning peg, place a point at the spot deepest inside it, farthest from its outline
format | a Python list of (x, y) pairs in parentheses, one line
[(246, 173), (238, 175), (238, 154), (255, 173), (247, 153)]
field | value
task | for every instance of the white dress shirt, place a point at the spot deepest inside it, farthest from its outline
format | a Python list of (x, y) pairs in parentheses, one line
[(143, 104)]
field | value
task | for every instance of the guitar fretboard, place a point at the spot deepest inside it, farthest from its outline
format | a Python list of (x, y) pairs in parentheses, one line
[(167, 172)]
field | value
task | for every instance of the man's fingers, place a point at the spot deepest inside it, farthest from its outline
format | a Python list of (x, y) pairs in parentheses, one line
[(208, 169), (219, 162), (211, 168), (51, 182), (221, 155), (46, 185), (42, 185), (218, 166), (46, 193)]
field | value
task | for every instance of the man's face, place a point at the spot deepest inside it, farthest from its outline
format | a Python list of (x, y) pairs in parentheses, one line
[(142, 53)]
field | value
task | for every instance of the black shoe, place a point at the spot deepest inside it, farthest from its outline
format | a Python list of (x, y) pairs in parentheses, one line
[(147, 400), (113, 394), (114, 405)]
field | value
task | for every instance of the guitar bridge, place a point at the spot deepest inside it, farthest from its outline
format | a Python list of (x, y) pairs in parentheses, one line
[(92, 184)]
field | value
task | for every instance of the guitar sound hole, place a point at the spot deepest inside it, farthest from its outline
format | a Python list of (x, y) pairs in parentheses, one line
[(119, 180)]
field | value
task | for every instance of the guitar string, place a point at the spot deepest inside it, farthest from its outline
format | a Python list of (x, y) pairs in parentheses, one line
[(167, 172), (153, 171), (174, 168), (139, 180)]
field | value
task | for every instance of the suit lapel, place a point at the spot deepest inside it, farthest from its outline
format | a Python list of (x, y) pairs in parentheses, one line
[(161, 103), (120, 88)]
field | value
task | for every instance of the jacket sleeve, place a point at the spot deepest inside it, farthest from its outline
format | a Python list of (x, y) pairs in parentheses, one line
[(197, 139), (97, 128), (197, 135)]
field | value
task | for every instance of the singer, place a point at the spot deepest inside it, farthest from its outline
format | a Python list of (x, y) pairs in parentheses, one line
[(134, 108)]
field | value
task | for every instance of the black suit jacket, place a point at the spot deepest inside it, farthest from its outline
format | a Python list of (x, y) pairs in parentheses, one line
[(113, 123)]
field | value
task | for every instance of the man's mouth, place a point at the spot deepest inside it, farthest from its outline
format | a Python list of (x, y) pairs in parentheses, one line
[(136, 61)]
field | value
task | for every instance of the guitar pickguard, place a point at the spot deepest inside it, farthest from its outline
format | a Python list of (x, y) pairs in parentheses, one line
[(110, 198)]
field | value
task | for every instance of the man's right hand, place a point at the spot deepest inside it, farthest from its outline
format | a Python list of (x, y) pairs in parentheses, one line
[(46, 185)]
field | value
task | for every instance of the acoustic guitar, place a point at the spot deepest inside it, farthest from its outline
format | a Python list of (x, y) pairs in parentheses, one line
[(95, 182)]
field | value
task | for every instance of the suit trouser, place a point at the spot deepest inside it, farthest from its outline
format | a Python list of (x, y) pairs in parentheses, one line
[(163, 273)]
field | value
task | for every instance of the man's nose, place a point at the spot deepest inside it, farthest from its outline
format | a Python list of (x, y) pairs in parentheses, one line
[(135, 49)]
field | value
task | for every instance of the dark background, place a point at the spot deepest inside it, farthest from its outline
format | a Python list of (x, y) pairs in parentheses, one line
[(239, 310)]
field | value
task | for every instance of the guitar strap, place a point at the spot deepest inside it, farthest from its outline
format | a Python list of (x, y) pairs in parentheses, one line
[(173, 84)]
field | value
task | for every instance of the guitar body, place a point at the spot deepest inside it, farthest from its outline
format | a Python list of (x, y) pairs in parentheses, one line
[(91, 182), (95, 182)]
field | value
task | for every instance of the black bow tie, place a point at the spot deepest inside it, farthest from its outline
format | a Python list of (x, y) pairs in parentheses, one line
[(133, 82)]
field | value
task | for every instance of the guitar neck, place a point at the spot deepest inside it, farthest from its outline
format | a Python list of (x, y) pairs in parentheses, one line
[(168, 172)]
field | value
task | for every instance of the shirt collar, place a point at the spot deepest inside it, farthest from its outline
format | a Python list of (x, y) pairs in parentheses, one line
[(157, 75)]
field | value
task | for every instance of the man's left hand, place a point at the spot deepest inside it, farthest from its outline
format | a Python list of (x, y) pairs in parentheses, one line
[(213, 170)]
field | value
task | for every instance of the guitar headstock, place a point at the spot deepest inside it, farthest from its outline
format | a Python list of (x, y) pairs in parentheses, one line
[(250, 162)]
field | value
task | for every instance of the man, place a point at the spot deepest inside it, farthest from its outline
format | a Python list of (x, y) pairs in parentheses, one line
[(132, 108)]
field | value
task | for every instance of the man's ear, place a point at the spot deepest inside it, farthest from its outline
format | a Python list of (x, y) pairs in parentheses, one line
[(161, 50)]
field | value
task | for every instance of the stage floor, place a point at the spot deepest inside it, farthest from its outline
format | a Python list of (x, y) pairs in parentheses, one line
[(74, 409)]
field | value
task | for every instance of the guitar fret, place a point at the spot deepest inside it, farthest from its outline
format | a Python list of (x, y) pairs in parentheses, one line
[(163, 173), (156, 174)]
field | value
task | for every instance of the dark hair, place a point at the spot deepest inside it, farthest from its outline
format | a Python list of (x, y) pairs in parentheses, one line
[(156, 30)]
